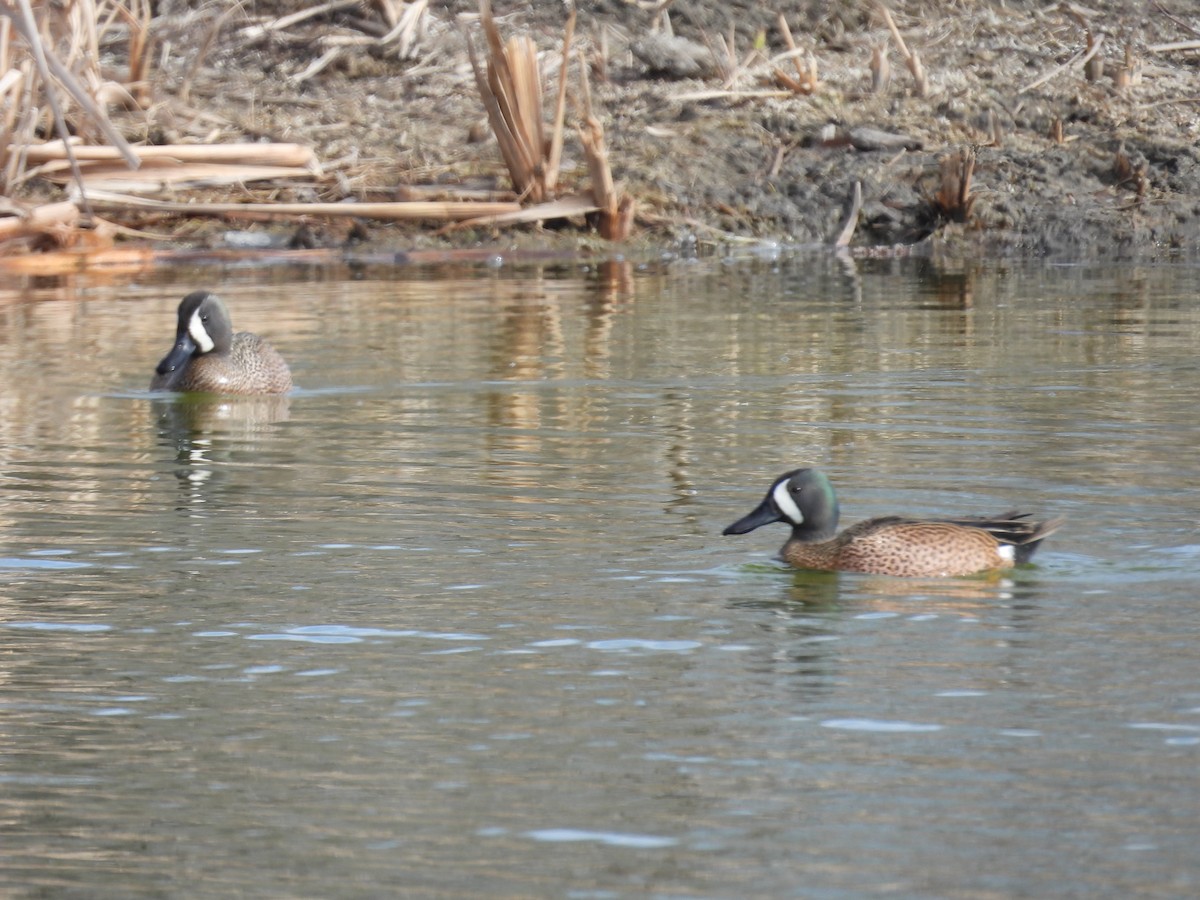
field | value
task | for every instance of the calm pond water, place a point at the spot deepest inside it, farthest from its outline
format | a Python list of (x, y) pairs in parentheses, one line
[(457, 619)]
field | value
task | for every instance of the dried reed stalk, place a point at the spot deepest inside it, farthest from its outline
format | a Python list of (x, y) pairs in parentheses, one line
[(911, 60), (407, 29), (511, 90), (37, 78), (512, 95), (806, 81), (138, 17)]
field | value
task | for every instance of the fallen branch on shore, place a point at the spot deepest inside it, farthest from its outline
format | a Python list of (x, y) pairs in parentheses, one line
[(405, 210), (172, 165)]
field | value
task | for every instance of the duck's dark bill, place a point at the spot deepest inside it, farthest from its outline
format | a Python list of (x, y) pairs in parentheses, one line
[(178, 355), (766, 513)]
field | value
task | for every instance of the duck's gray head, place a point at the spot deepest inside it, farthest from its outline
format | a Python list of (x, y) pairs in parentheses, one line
[(804, 498), (202, 326)]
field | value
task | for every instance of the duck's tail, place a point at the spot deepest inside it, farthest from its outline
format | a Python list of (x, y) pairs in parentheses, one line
[(1014, 528)]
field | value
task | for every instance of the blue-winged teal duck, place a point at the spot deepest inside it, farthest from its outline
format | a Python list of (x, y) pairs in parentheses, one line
[(209, 357), (889, 545)]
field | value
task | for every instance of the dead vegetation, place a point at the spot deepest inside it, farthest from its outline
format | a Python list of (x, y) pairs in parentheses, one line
[(108, 109), (99, 168)]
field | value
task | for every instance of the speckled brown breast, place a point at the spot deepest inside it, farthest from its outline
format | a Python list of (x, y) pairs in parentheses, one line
[(906, 549), (252, 366)]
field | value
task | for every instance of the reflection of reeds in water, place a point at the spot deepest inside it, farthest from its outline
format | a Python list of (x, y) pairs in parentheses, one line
[(190, 415)]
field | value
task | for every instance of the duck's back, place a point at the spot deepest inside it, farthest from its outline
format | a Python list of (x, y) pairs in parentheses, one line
[(252, 366), (904, 547)]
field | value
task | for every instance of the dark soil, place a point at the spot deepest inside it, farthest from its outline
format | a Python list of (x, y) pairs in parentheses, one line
[(1072, 166)]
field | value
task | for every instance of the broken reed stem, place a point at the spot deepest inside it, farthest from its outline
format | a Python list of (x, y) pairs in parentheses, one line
[(616, 210), (953, 198), (881, 72), (512, 95), (911, 60), (847, 233), (141, 47), (791, 45), (806, 81), (1093, 66)]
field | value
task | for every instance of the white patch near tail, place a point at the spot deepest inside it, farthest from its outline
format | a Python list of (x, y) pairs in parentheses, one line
[(200, 334), (787, 506), (1008, 553)]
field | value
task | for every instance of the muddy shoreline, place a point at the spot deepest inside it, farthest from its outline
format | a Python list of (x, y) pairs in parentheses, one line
[(1093, 161)]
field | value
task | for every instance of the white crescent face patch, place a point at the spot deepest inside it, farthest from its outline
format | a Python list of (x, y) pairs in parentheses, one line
[(787, 506), (199, 333)]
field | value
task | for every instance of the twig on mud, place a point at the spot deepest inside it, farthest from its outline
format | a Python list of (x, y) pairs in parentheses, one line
[(562, 208), (911, 60), (389, 10), (1173, 45), (660, 12), (407, 29), (690, 96), (1170, 101), (176, 165), (255, 32), (1179, 22), (847, 233), (1081, 57)]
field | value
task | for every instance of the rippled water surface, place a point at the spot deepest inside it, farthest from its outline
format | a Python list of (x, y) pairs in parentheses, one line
[(456, 618)]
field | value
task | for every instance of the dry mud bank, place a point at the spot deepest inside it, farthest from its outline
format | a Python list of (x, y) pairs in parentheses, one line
[(1069, 157)]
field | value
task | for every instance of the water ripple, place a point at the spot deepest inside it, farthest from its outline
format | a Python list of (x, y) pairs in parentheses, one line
[(609, 838), (880, 725), (346, 634)]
